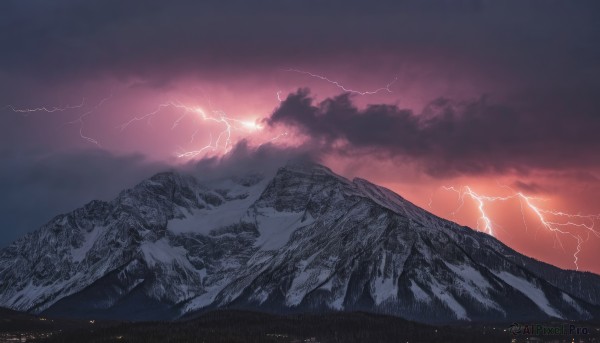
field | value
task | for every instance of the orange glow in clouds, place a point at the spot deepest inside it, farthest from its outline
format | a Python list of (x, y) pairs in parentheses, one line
[(540, 226)]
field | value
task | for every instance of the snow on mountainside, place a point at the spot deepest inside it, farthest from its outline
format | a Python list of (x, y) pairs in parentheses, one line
[(304, 239)]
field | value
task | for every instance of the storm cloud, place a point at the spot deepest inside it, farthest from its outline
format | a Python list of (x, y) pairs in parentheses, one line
[(449, 138), (65, 40), (36, 185), (243, 158)]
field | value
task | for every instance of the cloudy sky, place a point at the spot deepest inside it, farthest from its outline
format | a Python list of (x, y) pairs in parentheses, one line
[(424, 97)]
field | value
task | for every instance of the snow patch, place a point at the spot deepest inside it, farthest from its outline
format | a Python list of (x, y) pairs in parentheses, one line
[(531, 291), (204, 220), (162, 253), (89, 238), (277, 227), (442, 294), (473, 284), (384, 288), (574, 304), (470, 274), (303, 283), (260, 296), (338, 302), (419, 293), (207, 298), (32, 294)]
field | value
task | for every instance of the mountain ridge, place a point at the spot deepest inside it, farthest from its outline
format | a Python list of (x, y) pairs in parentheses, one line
[(300, 239)]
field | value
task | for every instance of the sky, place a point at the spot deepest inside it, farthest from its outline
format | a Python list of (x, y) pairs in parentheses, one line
[(483, 112)]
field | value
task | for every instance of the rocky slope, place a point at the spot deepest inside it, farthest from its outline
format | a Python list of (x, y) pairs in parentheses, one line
[(303, 239)]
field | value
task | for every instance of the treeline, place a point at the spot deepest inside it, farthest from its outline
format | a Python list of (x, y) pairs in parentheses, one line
[(241, 326)]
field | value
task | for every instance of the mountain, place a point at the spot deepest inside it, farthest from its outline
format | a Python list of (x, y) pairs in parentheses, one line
[(301, 239)]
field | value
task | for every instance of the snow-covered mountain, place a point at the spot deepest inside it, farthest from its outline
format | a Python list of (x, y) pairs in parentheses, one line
[(303, 239)]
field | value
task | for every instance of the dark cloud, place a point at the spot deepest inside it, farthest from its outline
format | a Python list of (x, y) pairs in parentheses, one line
[(66, 39), (244, 158), (37, 186), (449, 138)]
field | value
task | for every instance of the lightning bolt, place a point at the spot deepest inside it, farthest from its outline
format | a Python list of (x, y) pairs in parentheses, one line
[(80, 121), (52, 109), (277, 137), (548, 219), (194, 153), (45, 108), (342, 87), (223, 139)]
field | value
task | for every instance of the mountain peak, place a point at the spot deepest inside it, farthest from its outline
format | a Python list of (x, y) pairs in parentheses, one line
[(306, 167)]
